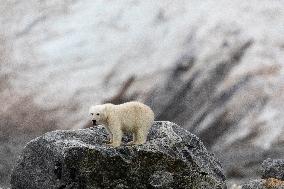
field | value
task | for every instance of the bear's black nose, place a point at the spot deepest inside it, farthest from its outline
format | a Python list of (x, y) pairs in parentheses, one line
[(94, 122)]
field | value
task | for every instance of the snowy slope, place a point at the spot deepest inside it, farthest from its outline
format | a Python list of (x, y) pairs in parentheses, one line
[(63, 50)]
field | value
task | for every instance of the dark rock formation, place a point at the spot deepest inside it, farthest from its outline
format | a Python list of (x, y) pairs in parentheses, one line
[(171, 158)]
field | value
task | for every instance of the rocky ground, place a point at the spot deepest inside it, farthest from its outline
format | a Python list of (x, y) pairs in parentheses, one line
[(213, 67)]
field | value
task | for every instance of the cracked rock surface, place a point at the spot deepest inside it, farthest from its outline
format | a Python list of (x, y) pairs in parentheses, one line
[(171, 158)]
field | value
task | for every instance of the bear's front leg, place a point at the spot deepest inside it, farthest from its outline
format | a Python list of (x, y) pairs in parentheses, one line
[(134, 136), (116, 136), (110, 141), (109, 133)]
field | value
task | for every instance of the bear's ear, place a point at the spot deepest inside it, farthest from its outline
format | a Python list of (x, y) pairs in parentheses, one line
[(105, 112)]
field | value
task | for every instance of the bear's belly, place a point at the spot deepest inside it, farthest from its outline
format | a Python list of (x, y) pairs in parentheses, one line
[(127, 128)]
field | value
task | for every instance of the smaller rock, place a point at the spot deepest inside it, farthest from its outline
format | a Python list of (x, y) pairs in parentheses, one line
[(274, 183), (273, 168), (270, 183), (254, 184), (272, 177)]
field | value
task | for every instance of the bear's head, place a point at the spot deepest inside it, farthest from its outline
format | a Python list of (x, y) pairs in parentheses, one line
[(98, 114)]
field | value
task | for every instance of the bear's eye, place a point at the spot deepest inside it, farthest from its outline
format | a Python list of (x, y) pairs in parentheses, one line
[(98, 114), (92, 114)]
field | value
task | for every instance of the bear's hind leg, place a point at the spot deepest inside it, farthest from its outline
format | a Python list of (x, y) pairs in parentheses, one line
[(141, 136)]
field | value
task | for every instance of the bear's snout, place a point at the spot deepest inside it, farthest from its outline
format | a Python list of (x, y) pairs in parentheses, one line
[(94, 122)]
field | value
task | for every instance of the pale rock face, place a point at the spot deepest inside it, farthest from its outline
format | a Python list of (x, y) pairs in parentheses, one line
[(73, 51)]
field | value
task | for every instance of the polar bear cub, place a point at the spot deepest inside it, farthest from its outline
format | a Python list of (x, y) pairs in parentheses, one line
[(131, 117)]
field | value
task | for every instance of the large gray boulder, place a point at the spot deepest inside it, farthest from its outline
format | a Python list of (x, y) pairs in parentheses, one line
[(171, 158)]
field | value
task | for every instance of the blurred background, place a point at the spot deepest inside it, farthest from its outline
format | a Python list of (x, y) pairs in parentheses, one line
[(215, 68)]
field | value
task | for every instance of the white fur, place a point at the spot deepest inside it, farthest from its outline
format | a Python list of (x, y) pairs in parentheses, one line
[(133, 117)]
